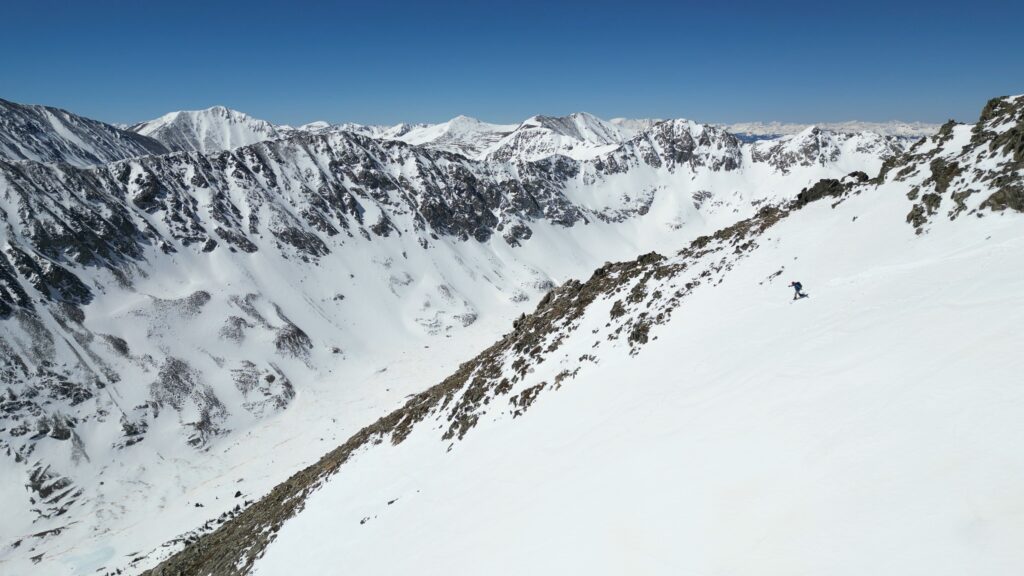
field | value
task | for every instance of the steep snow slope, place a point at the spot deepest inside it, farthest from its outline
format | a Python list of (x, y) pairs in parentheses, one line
[(45, 134), (872, 428), (681, 414), (211, 130)]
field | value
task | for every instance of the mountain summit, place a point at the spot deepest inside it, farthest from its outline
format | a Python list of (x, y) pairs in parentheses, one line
[(210, 130)]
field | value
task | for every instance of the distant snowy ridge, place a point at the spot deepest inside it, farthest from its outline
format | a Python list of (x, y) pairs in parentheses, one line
[(579, 135), (774, 129), (462, 135)]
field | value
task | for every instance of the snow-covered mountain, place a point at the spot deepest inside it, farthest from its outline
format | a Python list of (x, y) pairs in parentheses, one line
[(45, 134), (751, 131), (679, 413), (211, 130), (816, 147), (461, 135), (179, 329), (579, 135)]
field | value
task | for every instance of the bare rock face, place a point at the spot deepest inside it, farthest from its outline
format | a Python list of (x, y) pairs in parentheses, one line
[(969, 169)]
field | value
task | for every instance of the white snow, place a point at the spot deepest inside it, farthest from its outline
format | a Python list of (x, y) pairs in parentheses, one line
[(462, 134), (872, 428)]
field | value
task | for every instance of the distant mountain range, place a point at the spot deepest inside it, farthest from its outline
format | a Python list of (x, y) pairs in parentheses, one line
[(764, 130), (579, 135)]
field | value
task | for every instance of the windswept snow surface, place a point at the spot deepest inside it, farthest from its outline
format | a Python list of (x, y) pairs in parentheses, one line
[(874, 428)]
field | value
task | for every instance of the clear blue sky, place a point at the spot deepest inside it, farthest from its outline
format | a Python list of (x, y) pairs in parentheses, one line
[(384, 62)]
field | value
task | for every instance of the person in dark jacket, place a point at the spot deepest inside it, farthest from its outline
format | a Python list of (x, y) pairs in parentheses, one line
[(797, 290)]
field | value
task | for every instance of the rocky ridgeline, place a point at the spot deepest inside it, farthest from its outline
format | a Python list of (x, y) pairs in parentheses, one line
[(48, 134), (965, 170)]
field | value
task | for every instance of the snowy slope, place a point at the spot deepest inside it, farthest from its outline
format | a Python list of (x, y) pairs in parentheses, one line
[(681, 414), (846, 434), (211, 130), (45, 134), (173, 323)]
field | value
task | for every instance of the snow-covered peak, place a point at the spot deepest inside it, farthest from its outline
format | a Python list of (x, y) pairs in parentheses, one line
[(315, 126), (397, 131), (579, 135), (211, 130), (671, 144), (816, 146), (581, 126), (462, 135)]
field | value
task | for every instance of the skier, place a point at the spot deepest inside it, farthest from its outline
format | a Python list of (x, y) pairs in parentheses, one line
[(797, 290)]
